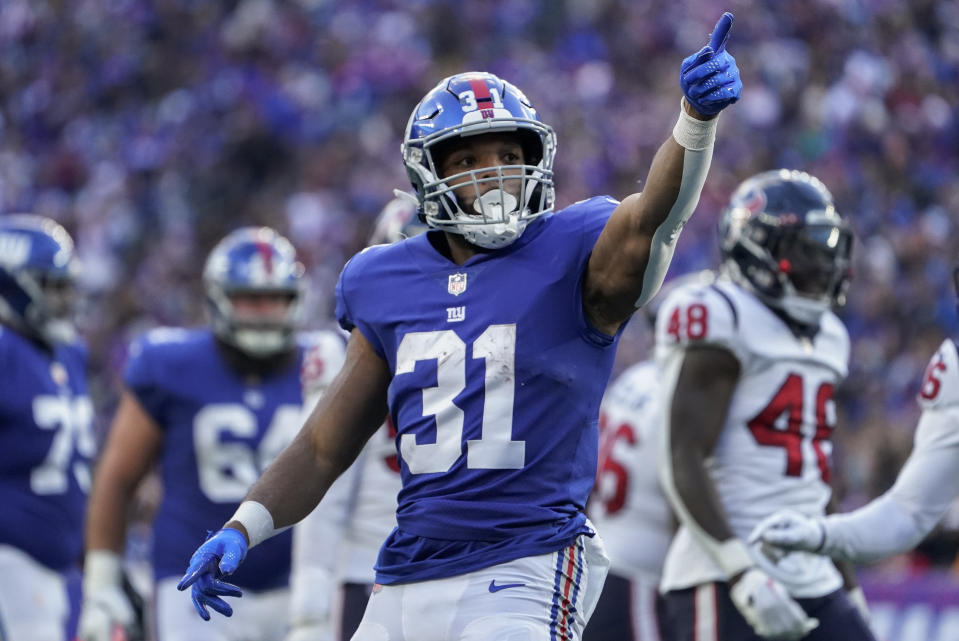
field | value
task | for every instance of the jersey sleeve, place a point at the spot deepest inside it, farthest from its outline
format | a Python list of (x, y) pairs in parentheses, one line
[(940, 383), (347, 286), (925, 488), (699, 315), (143, 374)]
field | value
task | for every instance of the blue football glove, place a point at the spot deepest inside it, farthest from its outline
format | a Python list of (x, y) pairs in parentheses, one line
[(220, 555), (710, 78)]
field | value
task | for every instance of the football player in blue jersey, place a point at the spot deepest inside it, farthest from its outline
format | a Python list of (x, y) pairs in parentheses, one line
[(212, 407), (489, 341), (46, 437)]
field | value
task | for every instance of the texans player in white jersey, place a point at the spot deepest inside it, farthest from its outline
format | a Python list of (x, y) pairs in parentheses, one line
[(331, 583), (749, 366), (489, 341), (46, 436), (211, 407), (628, 505), (925, 488)]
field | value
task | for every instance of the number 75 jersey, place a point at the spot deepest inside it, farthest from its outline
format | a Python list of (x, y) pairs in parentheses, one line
[(46, 442), (775, 447), (497, 380)]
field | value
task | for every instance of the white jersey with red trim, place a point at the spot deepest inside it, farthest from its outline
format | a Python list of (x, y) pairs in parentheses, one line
[(628, 506), (774, 450)]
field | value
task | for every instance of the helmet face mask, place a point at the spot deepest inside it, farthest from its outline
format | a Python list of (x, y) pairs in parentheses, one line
[(501, 200), (38, 269), (783, 239), (254, 287)]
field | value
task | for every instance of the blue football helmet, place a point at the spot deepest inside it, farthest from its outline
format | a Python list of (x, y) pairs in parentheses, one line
[(783, 239), (470, 104), (253, 261), (38, 269)]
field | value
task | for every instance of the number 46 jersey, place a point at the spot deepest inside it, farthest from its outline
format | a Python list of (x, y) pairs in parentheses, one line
[(497, 380), (774, 449)]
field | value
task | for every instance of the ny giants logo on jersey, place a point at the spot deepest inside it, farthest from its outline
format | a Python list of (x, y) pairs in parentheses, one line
[(457, 284)]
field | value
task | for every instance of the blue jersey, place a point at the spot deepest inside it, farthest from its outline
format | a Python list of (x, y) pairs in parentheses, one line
[(46, 442), (497, 380), (220, 431)]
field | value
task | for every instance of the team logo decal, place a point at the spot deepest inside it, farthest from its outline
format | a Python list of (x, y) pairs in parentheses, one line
[(457, 284)]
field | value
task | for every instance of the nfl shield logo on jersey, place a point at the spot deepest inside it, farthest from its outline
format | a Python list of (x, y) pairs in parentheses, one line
[(457, 284)]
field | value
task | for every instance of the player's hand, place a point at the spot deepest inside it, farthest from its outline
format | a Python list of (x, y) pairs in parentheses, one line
[(768, 608), (710, 78), (790, 530), (104, 611), (220, 555)]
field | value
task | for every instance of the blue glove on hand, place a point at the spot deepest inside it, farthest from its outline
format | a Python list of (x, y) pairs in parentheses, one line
[(710, 78), (220, 555)]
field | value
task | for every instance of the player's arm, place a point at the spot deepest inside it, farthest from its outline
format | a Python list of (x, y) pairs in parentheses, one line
[(350, 411), (694, 421), (899, 519), (132, 447), (631, 256), (346, 416)]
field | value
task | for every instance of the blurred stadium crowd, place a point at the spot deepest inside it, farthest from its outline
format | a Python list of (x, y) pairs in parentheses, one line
[(150, 128)]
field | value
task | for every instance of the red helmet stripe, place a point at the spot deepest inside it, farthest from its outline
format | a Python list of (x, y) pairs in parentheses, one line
[(266, 254), (484, 101)]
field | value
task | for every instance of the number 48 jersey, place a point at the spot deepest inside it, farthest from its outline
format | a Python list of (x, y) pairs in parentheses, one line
[(774, 449)]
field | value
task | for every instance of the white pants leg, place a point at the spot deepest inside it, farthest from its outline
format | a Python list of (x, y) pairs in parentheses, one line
[(33, 599), (542, 598)]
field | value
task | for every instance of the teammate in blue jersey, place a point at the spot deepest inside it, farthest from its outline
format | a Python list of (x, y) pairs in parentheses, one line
[(489, 341), (212, 407), (46, 437)]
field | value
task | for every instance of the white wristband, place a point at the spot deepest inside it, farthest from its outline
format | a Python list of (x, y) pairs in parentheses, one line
[(101, 569), (257, 520), (692, 133), (733, 557)]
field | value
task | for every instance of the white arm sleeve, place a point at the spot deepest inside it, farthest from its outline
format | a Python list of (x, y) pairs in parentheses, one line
[(697, 137), (898, 520)]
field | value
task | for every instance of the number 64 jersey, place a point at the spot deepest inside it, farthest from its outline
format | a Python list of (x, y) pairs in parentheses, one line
[(774, 450)]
